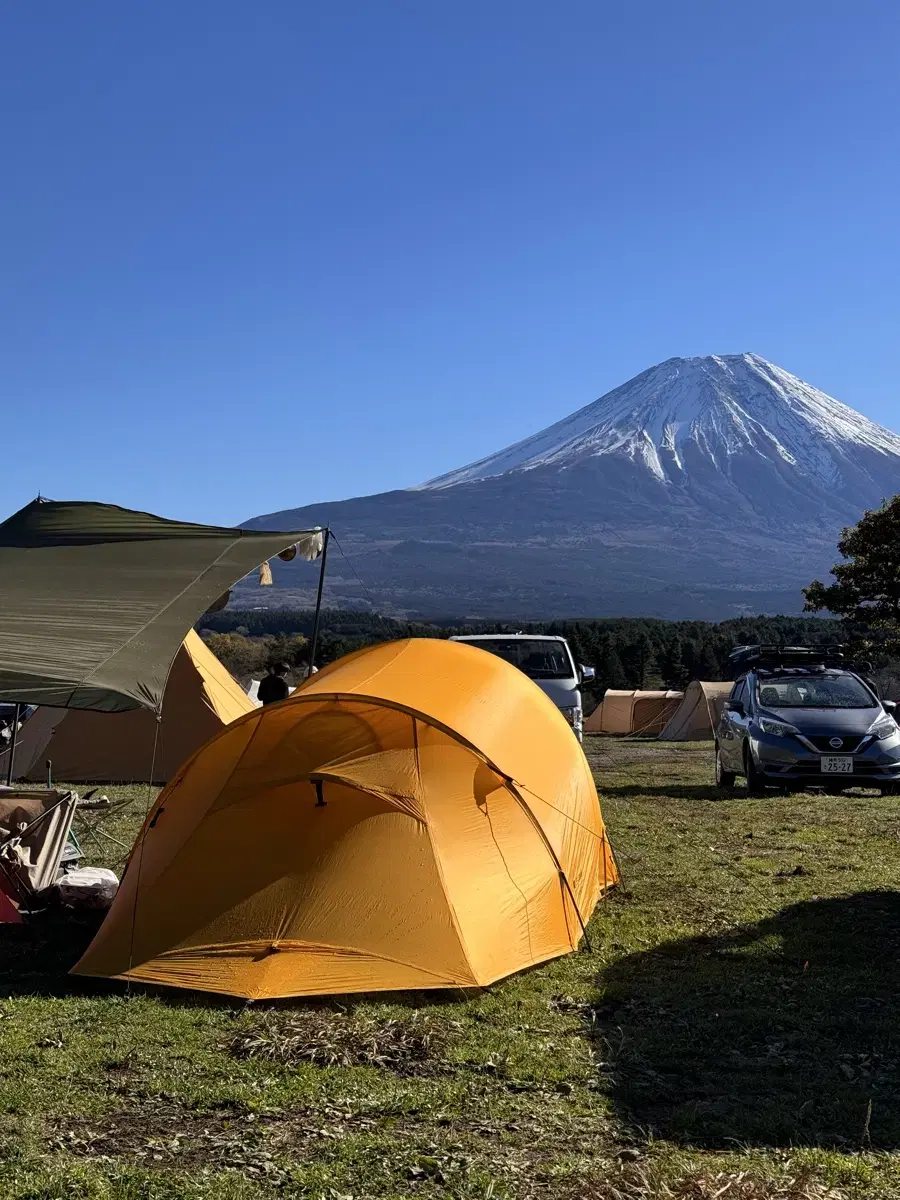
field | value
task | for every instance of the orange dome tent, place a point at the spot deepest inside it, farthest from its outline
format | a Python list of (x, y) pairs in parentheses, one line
[(416, 815)]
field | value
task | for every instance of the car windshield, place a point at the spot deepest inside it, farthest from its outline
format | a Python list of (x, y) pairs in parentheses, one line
[(814, 691), (538, 659)]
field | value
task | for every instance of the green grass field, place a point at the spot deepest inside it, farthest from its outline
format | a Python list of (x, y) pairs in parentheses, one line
[(732, 1034)]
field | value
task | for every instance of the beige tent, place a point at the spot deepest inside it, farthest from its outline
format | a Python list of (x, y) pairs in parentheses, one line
[(699, 712), (201, 697), (632, 712)]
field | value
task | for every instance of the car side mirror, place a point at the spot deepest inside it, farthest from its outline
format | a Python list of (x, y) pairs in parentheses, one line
[(889, 706), (586, 675), (735, 706)]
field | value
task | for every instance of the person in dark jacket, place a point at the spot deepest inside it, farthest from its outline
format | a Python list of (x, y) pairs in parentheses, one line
[(275, 686)]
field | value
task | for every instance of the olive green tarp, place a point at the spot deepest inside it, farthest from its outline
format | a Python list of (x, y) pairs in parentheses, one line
[(95, 600)]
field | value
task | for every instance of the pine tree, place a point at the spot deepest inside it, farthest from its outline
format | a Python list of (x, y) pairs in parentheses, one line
[(615, 671), (700, 660), (866, 591), (637, 659), (707, 663), (671, 665)]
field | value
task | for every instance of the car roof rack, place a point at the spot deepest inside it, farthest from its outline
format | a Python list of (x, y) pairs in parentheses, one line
[(774, 655)]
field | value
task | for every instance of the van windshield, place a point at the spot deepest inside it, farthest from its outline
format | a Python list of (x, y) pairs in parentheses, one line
[(537, 658), (814, 691)]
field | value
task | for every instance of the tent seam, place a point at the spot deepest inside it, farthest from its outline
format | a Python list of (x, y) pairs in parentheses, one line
[(439, 865), (436, 724), (542, 834), (509, 873), (299, 947)]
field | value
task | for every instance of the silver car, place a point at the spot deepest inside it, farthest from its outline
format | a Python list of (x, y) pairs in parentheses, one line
[(545, 658), (792, 726)]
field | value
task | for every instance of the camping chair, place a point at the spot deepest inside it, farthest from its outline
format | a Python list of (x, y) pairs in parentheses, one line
[(34, 835)]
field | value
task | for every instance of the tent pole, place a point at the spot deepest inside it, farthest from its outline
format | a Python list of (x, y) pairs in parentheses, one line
[(12, 746), (313, 645)]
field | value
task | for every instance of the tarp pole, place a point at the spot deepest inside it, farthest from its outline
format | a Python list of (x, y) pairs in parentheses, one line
[(313, 645), (12, 746)]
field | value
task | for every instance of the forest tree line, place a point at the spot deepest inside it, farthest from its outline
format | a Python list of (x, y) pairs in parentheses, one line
[(624, 652)]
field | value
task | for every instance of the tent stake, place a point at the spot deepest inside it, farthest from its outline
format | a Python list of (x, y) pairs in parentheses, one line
[(12, 746), (315, 633)]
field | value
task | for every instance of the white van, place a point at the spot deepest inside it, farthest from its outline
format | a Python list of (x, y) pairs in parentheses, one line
[(547, 660)]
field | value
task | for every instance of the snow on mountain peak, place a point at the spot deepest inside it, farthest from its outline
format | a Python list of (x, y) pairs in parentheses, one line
[(719, 406)]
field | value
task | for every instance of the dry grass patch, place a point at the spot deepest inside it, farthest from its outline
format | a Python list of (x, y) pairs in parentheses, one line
[(340, 1039), (638, 1183)]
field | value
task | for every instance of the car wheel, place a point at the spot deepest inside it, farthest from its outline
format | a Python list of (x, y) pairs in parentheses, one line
[(724, 779), (755, 783)]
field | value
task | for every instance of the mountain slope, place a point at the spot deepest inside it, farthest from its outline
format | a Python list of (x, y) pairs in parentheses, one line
[(721, 406), (702, 487)]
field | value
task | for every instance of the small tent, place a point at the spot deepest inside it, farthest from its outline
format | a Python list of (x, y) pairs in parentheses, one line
[(699, 712), (416, 815), (632, 712), (98, 747)]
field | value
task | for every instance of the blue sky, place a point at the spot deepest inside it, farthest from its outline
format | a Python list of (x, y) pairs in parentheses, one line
[(256, 256)]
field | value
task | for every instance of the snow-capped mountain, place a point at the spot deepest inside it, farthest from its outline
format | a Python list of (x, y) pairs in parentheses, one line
[(704, 487), (717, 407)]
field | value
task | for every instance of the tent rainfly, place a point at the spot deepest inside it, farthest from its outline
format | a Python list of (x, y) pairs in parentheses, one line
[(632, 712), (97, 599), (201, 697), (416, 815), (699, 712)]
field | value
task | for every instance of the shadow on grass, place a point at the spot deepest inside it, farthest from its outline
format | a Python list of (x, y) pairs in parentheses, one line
[(779, 1034), (36, 957)]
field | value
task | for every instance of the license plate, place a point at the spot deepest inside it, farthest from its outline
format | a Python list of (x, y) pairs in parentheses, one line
[(837, 764)]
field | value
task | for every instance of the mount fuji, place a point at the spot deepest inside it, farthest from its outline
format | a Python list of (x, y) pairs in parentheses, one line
[(704, 487)]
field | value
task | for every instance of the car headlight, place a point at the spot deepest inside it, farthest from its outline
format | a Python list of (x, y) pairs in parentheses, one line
[(572, 715), (776, 728), (884, 729)]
